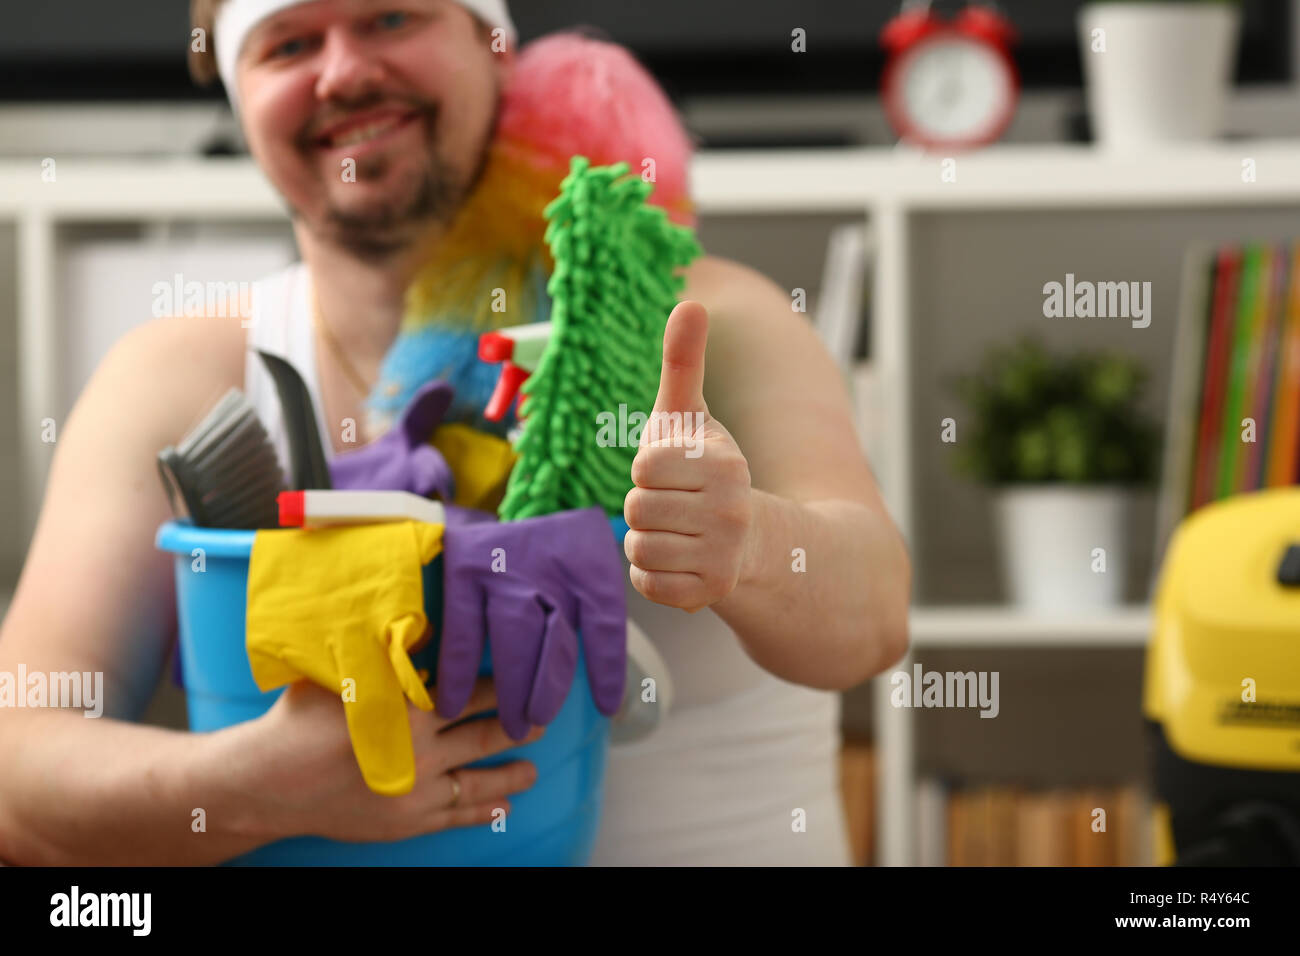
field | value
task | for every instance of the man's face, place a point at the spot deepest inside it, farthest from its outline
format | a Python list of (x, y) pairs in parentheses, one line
[(371, 117)]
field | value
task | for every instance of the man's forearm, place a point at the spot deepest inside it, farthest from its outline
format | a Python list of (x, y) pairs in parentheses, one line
[(103, 792), (823, 594)]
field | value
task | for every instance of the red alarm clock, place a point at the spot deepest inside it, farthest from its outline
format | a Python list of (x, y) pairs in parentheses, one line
[(949, 83)]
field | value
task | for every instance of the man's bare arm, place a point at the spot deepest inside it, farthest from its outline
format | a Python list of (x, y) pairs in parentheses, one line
[(96, 596), (772, 384)]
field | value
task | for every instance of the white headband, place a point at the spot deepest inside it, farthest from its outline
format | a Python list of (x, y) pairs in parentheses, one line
[(238, 17)]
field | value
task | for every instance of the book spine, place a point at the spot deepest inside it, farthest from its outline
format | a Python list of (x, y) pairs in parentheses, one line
[(1286, 407), (1186, 388), (1266, 384), (1254, 381), (1238, 372), (1227, 272)]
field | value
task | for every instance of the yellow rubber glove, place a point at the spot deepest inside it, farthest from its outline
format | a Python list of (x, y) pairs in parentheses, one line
[(479, 462), (342, 607)]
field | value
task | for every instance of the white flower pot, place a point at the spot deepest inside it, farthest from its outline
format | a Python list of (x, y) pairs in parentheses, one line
[(1164, 74), (1049, 536)]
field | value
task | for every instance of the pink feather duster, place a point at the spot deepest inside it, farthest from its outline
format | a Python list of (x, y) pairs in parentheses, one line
[(573, 94)]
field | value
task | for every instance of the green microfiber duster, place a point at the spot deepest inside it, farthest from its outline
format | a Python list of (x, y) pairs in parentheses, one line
[(615, 282)]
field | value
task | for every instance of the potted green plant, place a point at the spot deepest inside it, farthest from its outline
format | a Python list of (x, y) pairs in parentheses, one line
[(1157, 71), (1065, 445)]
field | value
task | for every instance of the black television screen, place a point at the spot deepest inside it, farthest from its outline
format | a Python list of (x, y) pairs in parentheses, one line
[(107, 49)]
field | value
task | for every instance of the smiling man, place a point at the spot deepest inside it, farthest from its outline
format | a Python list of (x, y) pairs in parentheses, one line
[(409, 95), (408, 92)]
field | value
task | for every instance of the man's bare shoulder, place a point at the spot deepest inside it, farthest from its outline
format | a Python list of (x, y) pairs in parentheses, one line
[(760, 344), (746, 308), (743, 303), (165, 373), (221, 339), (722, 284)]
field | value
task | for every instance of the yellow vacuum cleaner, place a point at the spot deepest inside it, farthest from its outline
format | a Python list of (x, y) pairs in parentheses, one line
[(1222, 685)]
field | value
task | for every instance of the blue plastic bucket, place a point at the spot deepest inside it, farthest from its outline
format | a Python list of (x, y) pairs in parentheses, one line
[(551, 824)]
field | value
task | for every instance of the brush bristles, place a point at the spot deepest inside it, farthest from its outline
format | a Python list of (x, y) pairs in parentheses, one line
[(228, 469)]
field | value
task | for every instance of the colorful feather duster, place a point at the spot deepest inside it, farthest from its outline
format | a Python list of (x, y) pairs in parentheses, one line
[(569, 95)]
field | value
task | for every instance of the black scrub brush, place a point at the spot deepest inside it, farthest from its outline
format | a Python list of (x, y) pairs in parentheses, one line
[(224, 473)]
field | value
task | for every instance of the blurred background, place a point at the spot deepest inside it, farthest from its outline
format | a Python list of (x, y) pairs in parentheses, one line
[(917, 197)]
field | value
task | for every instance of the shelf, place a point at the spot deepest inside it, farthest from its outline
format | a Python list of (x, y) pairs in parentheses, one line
[(735, 181), (143, 189), (138, 190), (1002, 177), (995, 626)]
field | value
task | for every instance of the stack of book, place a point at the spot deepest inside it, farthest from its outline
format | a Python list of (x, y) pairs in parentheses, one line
[(1012, 826), (1235, 403)]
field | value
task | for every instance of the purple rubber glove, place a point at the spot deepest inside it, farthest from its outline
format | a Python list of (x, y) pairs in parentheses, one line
[(402, 459), (531, 587)]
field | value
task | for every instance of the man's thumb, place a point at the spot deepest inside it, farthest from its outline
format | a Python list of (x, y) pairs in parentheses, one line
[(681, 380)]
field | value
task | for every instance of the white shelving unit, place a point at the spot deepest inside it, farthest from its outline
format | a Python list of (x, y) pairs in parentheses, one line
[(890, 188), (998, 626)]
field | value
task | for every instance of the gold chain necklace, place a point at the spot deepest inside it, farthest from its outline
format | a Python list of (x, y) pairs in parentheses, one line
[(355, 378)]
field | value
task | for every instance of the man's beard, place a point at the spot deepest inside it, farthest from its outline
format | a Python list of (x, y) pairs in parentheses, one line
[(433, 199)]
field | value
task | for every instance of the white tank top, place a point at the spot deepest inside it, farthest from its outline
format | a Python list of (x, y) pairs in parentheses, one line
[(744, 770)]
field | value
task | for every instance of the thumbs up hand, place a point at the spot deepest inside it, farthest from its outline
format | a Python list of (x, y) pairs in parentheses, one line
[(691, 512)]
